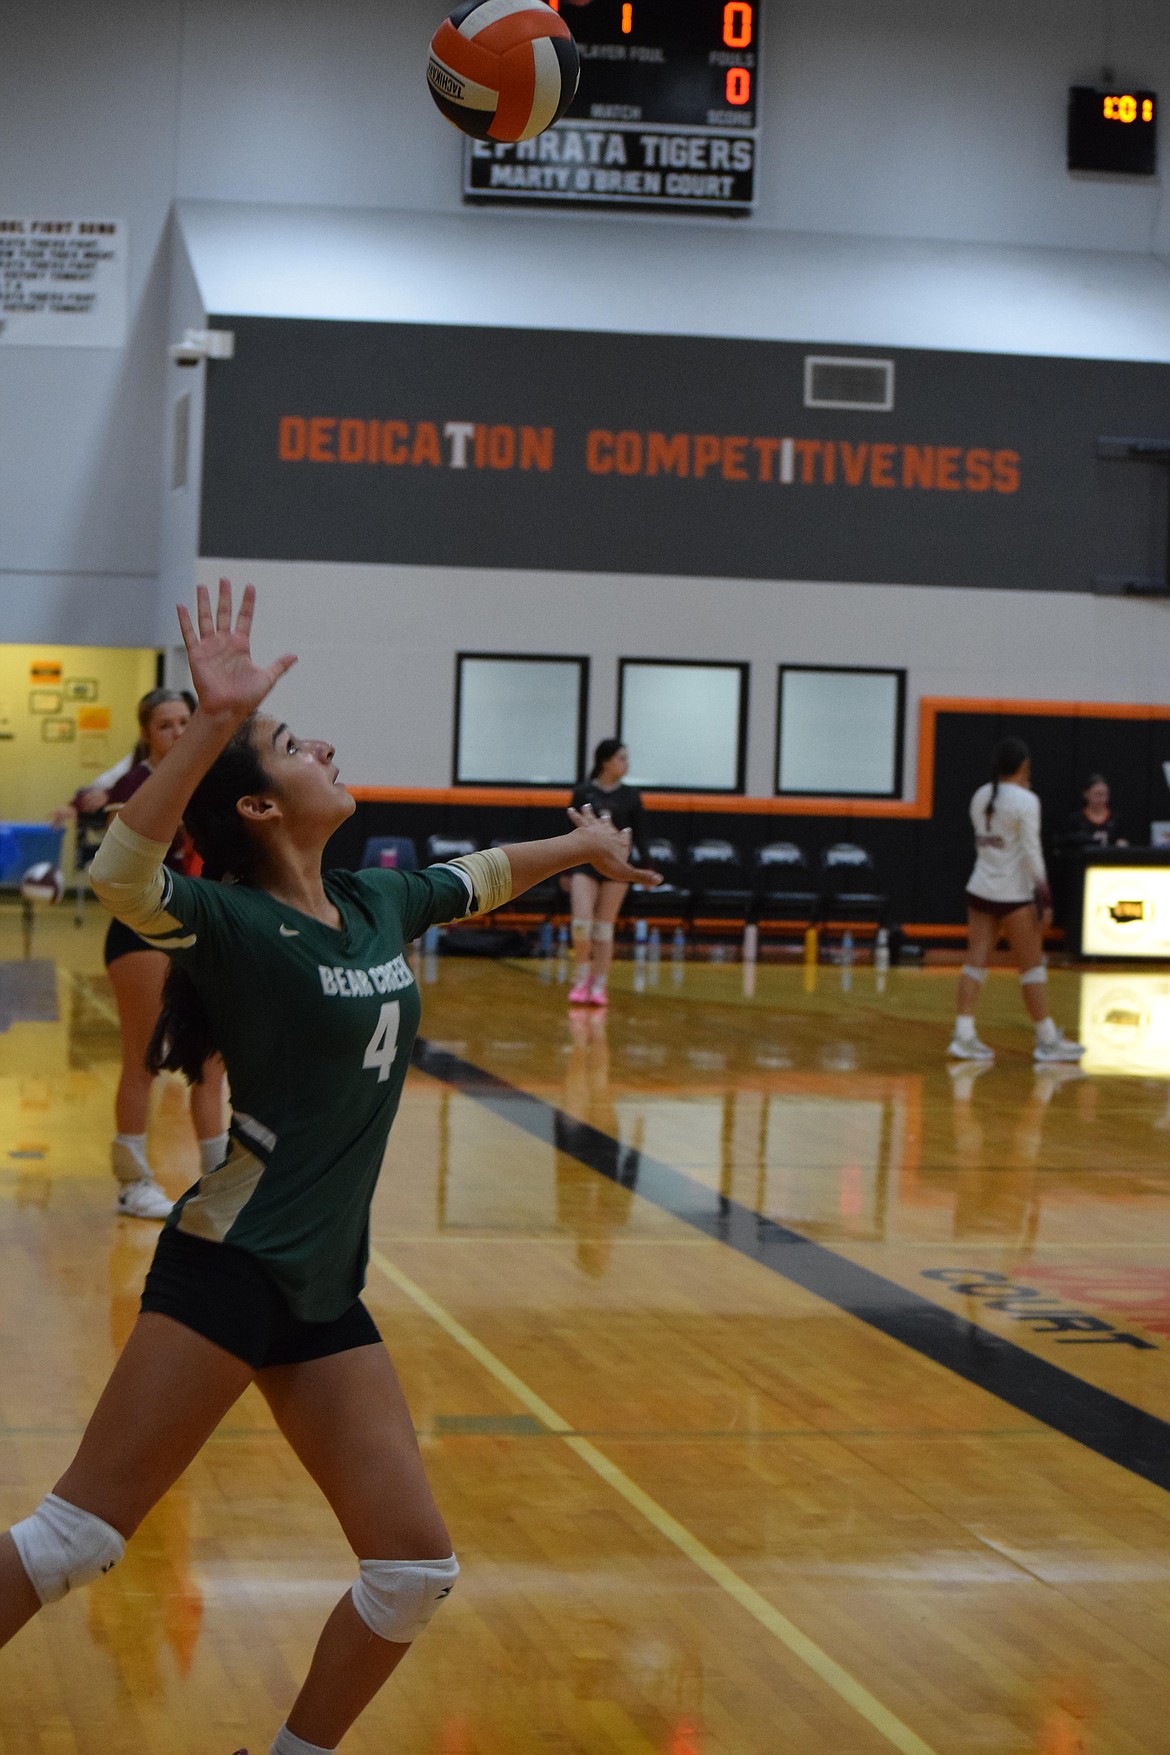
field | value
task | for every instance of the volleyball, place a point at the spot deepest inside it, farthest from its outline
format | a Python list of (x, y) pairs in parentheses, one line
[(42, 883), (503, 69)]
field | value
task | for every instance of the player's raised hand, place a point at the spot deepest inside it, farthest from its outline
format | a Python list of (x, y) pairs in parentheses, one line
[(228, 682), (607, 849)]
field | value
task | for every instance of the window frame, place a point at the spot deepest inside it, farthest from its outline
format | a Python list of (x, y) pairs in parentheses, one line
[(579, 659), (895, 792), (738, 664)]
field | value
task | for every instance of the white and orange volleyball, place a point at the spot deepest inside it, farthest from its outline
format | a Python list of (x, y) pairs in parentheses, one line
[(503, 69)]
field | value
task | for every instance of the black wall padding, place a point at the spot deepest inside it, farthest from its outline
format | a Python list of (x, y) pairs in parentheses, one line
[(922, 865)]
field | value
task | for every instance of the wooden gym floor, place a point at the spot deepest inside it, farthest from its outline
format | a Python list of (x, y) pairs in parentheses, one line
[(785, 1392)]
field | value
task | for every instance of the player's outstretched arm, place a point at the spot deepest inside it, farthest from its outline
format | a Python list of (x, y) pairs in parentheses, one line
[(230, 687), (592, 841)]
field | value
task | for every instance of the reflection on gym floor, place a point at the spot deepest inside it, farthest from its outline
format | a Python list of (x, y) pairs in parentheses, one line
[(776, 1271)]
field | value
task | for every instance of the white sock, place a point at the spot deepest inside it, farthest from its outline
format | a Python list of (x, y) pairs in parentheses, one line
[(212, 1153), (128, 1155), (1047, 1032), (287, 1744), (964, 1028)]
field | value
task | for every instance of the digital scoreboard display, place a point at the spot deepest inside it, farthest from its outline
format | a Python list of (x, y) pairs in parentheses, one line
[(666, 114), (1126, 912), (1112, 131)]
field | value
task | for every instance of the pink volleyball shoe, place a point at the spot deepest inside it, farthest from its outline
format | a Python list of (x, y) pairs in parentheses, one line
[(581, 994), (598, 994)]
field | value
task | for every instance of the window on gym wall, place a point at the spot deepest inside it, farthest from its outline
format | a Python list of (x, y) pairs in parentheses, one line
[(519, 719), (684, 724), (839, 732)]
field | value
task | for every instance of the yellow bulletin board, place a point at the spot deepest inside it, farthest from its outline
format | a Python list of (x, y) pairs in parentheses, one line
[(1126, 911), (66, 714)]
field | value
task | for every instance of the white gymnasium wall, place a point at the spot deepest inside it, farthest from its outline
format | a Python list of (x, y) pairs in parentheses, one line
[(377, 646), (901, 120)]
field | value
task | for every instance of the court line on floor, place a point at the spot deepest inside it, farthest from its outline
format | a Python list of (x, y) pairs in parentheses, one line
[(1115, 1429), (825, 1668)]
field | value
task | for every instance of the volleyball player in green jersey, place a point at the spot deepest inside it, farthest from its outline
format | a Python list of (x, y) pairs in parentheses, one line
[(300, 978)]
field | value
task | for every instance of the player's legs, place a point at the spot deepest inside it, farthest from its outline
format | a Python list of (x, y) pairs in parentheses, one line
[(1025, 936), (167, 1393), (982, 933), (583, 893), (347, 1420), (207, 1115), (609, 902), (137, 980)]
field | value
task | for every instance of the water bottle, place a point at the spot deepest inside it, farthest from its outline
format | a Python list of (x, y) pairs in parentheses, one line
[(430, 943), (751, 942), (640, 932), (655, 944), (678, 945), (847, 948), (544, 939), (881, 950)]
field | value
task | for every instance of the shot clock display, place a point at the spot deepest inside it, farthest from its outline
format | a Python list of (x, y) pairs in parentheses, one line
[(666, 113), (1112, 131)]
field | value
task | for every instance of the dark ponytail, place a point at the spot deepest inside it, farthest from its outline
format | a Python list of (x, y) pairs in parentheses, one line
[(1008, 757), (605, 752), (183, 1039)]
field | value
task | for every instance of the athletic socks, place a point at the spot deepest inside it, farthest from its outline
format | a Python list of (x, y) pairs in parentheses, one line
[(287, 1744), (212, 1153), (964, 1028), (128, 1157), (1047, 1032)]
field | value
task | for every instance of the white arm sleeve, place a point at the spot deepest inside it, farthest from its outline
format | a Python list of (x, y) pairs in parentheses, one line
[(129, 877), (490, 878)]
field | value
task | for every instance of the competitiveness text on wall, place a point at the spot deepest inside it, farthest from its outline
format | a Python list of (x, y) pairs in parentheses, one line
[(568, 451)]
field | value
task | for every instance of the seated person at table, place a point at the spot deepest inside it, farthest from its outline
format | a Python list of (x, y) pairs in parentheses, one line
[(1094, 824)]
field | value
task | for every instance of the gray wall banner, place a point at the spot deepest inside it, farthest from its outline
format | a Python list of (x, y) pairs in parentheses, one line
[(368, 442)]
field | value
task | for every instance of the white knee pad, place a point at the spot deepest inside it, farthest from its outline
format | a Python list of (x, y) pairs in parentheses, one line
[(602, 932), (1034, 977), (973, 974), (397, 1598), (582, 931), (62, 1547)]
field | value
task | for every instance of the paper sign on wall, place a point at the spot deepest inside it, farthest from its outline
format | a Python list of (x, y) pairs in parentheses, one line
[(63, 282)]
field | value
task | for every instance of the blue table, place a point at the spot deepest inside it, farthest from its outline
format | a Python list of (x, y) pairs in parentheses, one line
[(25, 844)]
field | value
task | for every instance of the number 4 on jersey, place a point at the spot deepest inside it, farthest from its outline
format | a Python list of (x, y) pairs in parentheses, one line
[(379, 1054)]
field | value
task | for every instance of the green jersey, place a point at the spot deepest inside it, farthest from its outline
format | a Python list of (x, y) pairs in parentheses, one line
[(315, 1025)]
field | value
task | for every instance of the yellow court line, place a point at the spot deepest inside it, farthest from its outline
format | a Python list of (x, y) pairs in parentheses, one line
[(831, 1673)]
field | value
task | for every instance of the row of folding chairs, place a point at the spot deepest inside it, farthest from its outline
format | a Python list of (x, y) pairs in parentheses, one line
[(708, 879)]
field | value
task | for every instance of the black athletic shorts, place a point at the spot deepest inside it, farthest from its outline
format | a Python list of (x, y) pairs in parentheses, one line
[(225, 1295), (998, 910), (121, 940)]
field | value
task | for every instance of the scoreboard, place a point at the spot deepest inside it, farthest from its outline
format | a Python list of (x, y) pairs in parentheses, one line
[(666, 114), (1113, 131)]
